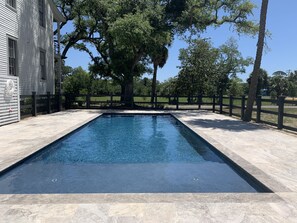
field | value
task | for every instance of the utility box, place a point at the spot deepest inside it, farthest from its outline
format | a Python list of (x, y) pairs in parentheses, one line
[(9, 100)]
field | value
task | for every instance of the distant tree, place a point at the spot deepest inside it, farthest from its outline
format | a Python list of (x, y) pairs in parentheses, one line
[(66, 71), (279, 84), (104, 87), (230, 63), (207, 70), (255, 74), (263, 83), (292, 79), (142, 86), (236, 87), (198, 68), (79, 82), (169, 87)]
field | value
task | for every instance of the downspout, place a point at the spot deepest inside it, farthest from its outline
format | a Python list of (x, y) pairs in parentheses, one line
[(59, 69)]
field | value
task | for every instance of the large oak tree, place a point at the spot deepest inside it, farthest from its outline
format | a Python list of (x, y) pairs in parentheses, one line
[(124, 33)]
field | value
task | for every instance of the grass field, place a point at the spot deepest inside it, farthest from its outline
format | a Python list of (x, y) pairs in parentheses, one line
[(290, 122)]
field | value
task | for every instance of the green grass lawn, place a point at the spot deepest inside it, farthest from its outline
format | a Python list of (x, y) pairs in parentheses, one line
[(291, 122)]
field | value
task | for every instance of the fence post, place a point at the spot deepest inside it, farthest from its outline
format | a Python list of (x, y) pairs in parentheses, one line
[(59, 102), (177, 102), (34, 104), (66, 101), (259, 108), (230, 105), (221, 103), (281, 103), (133, 102), (242, 106), (111, 100), (48, 104), (214, 103), (88, 101), (199, 101)]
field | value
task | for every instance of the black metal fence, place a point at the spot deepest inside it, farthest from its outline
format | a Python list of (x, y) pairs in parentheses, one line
[(281, 113)]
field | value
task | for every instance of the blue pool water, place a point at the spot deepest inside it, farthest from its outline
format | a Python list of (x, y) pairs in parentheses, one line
[(126, 154)]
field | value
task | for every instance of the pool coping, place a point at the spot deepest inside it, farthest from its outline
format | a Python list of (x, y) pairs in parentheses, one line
[(90, 198), (275, 186)]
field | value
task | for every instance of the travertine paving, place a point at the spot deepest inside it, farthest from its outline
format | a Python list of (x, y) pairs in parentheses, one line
[(267, 154), (21, 139), (256, 148)]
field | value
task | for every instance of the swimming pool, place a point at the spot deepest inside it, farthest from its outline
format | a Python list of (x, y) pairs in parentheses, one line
[(128, 154)]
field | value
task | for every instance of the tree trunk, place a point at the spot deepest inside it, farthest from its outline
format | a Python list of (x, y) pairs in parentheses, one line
[(154, 83), (255, 74), (128, 92), (189, 98), (123, 92)]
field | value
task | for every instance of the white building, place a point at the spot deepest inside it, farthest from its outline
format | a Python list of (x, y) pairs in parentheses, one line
[(27, 43), (27, 48)]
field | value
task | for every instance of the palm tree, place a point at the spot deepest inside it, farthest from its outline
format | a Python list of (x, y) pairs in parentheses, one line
[(159, 59), (255, 75)]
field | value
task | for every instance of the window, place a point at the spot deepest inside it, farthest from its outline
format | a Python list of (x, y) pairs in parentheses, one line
[(43, 65), (11, 3), (12, 59), (41, 9)]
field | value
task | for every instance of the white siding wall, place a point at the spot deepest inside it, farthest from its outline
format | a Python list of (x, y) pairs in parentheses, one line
[(9, 105), (32, 38), (23, 24), (8, 26)]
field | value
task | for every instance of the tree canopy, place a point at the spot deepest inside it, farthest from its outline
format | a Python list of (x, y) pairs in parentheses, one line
[(126, 33)]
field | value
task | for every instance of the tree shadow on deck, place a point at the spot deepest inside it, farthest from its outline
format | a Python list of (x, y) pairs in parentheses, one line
[(226, 123)]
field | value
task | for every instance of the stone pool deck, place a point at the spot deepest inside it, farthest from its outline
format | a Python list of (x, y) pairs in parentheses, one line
[(267, 154)]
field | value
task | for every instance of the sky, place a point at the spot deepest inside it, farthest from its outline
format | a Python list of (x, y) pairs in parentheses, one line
[(280, 53)]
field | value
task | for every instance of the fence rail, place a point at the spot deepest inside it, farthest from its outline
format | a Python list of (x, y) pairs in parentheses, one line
[(32, 105), (281, 113)]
